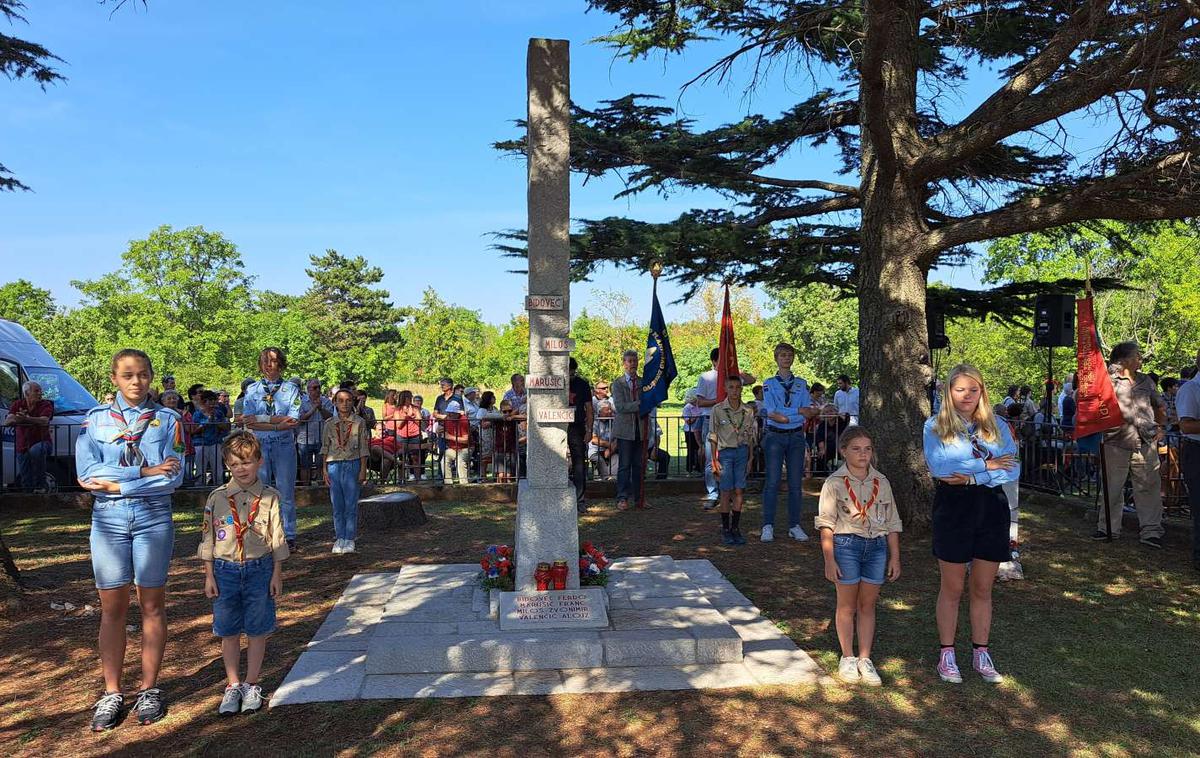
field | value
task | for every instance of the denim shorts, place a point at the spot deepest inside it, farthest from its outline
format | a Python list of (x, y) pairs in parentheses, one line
[(132, 540), (309, 455), (860, 559), (733, 467), (243, 603)]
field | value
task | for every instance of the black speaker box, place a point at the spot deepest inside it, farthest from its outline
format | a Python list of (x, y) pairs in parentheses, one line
[(1054, 321), (935, 323)]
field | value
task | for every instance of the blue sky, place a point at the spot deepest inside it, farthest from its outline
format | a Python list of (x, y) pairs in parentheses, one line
[(292, 127)]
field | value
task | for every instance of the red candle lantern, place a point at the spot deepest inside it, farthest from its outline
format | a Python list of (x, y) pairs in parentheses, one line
[(541, 576), (559, 574)]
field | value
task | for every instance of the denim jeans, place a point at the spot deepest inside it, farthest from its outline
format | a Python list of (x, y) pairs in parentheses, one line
[(778, 449), (31, 466), (710, 480), (343, 493), (629, 470), (278, 469), (1190, 464), (132, 540)]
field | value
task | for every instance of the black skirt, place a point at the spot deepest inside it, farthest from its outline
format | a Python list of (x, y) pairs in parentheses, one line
[(970, 521)]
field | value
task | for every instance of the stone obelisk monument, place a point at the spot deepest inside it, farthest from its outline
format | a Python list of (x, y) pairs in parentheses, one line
[(547, 523)]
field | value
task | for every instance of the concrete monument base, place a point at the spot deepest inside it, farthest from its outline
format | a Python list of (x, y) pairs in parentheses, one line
[(429, 631)]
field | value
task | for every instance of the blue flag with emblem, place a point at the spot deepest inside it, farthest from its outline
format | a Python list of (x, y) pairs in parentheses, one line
[(659, 370)]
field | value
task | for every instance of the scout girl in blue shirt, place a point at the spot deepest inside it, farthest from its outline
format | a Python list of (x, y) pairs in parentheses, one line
[(128, 456), (970, 456), (272, 411)]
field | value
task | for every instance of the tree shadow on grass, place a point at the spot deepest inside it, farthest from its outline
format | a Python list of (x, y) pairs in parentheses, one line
[(1091, 642)]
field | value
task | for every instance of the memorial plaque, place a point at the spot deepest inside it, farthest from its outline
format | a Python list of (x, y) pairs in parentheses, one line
[(554, 415), (556, 609), (544, 302), (557, 345), (545, 382)]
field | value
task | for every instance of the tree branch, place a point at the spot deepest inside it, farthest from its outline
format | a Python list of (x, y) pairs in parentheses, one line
[(844, 189), (1056, 52), (1133, 196), (814, 208), (1085, 85)]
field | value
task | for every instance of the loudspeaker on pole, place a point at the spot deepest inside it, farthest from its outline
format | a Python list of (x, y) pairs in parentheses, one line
[(1054, 321)]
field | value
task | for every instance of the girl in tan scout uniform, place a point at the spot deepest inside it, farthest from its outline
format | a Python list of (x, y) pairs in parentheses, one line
[(860, 539), (346, 446)]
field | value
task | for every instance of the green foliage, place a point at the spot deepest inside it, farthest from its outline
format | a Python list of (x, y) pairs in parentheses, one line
[(444, 340), (1159, 266), (354, 325), (822, 324), (26, 304)]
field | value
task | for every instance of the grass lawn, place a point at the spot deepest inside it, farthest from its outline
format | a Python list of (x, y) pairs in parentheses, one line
[(1100, 644)]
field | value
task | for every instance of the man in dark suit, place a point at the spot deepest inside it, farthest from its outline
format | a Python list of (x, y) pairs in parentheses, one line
[(628, 431)]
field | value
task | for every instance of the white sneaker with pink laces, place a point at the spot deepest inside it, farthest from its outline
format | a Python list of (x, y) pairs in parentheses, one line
[(947, 667), (982, 661)]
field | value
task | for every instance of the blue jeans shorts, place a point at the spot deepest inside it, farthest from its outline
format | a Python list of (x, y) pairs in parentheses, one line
[(132, 540), (310, 455), (860, 559), (733, 462), (243, 603)]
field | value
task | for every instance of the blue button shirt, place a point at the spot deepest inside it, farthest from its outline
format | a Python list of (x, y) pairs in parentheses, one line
[(958, 457), (98, 452), (286, 402), (208, 430), (777, 399)]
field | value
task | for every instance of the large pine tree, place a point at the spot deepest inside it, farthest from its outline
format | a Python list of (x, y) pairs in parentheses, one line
[(918, 186)]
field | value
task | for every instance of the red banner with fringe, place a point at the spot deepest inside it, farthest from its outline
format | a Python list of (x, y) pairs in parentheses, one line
[(1096, 407), (727, 362)]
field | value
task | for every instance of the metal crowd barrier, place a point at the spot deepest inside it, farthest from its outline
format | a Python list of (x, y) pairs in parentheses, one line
[(1053, 461), (494, 452)]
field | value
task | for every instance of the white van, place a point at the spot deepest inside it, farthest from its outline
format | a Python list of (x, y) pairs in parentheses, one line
[(22, 359)]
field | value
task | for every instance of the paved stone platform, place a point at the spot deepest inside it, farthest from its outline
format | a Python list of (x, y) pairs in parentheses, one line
[(429, 631)]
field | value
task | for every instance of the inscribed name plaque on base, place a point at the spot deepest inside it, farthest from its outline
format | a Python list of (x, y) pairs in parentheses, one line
[(555, 609)]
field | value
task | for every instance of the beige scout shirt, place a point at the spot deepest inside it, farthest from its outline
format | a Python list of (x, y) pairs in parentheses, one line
[(261, 535), (732, 428), (345, 439), (873, 515), (1139, 399)]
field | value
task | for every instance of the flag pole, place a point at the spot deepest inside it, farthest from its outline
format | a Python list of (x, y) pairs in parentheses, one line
[(655, 271)]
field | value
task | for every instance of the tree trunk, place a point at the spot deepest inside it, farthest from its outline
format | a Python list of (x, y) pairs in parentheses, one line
[(893, 344), (893, 361), (10, 566)]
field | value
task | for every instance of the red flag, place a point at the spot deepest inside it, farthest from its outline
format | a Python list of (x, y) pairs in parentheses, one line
[(1096, 407), (727, 364)]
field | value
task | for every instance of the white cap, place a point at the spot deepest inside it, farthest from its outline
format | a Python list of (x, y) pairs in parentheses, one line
[(452, 407)]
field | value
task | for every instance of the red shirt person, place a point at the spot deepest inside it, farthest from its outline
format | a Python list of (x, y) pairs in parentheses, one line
[(31, 418)]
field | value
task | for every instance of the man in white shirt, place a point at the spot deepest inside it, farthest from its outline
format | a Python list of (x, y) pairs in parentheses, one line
[(706, 397), (846, 400)]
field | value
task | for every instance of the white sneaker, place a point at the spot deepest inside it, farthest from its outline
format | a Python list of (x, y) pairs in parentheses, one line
[(797, 533), (867, 672), (339, 546), (848, 669), (768, 533), (347, 546)]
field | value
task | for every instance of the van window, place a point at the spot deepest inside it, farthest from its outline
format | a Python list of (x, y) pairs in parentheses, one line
[(10, 383), (60, 388)]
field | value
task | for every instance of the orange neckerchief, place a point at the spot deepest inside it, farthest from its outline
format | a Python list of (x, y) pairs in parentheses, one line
[(860, 510), (239, 529)]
